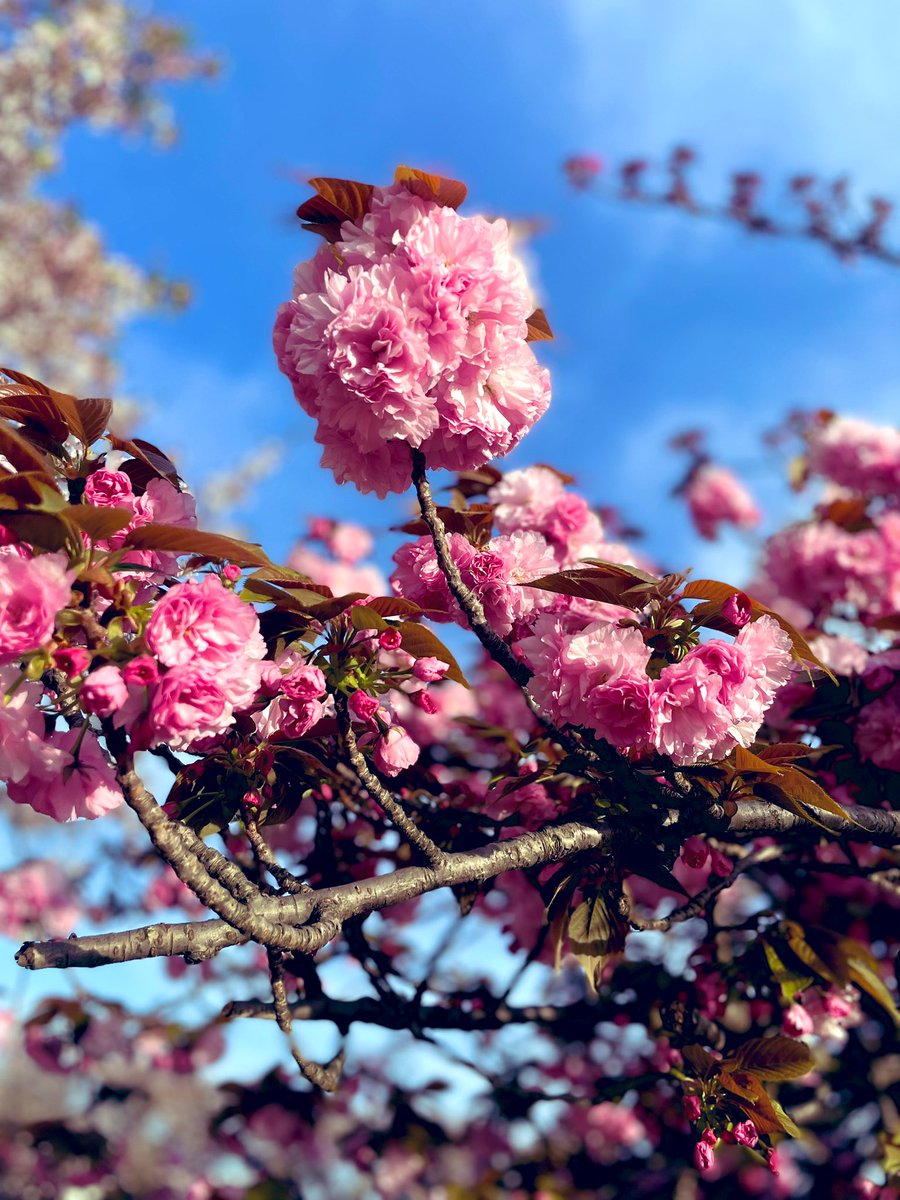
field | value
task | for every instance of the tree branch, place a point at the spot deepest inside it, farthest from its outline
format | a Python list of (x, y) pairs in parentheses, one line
[(410, 830), (370, 1010), (198, 940), (464, 596)]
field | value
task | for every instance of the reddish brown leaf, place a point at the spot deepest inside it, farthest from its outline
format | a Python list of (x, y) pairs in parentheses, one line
[(148, 454), (748, 763), (420, 642), (213, 546), (538, 327), (97, 523), (393, 606), (773, 1058), (21, 454), (700, 1061), (449, 192), (93, 415), (715, 593), (337, 200)]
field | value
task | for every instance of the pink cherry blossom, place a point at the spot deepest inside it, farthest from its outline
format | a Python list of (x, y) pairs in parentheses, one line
[(32, 592), (105, 489), (857, 455), (204, 623), (394, 751), (414, 335), (82, 782), (104, 691)]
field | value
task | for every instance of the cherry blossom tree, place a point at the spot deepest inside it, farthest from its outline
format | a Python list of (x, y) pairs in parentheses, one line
[(63, 295), (623, 855)]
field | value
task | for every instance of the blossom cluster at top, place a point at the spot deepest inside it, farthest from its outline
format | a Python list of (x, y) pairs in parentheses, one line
[(411, 331)]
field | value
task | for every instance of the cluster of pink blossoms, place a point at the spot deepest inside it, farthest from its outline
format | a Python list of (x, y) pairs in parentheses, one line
[(493, 572), (825, 567), (537, 499), (206, 649), (856, 455), (715, 496), (411, 331), (343, 569), (697, 710)]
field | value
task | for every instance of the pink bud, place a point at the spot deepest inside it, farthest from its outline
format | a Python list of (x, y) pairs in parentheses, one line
[(251, 800), (104, 691), (836, 1006), (745, 1134), (709, 1136), (796, 1021), (691, 1107), (72, 660), (703, 1156), (232, 572), (694, 853), (394, 751), (737, 609), (430, 670), (719, 864), (424, 701), (390, 639), (773, 1162), (141, 671), (362, 705)]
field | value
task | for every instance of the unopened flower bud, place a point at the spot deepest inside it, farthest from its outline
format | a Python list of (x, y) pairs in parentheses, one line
[(703, 1156), (141, 671), (72, 660), (745, 1134), (362, 705), (719, 864), (232, 572), (390, 639), (737, 609), (104, 691), (692, 1108), (796, 1021), (429, 670), (424, 701), (694, 853)]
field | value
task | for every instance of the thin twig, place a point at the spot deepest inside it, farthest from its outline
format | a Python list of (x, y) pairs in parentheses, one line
[(411, 831), (327, 1077)]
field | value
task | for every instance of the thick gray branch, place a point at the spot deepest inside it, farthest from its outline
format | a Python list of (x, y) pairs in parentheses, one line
[(197, 940)]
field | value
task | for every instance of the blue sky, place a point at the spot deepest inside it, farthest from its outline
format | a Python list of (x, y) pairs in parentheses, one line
[(661, 321)]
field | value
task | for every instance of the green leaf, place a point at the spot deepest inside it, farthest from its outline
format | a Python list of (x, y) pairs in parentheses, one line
[(790, 982), (363, 616)]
